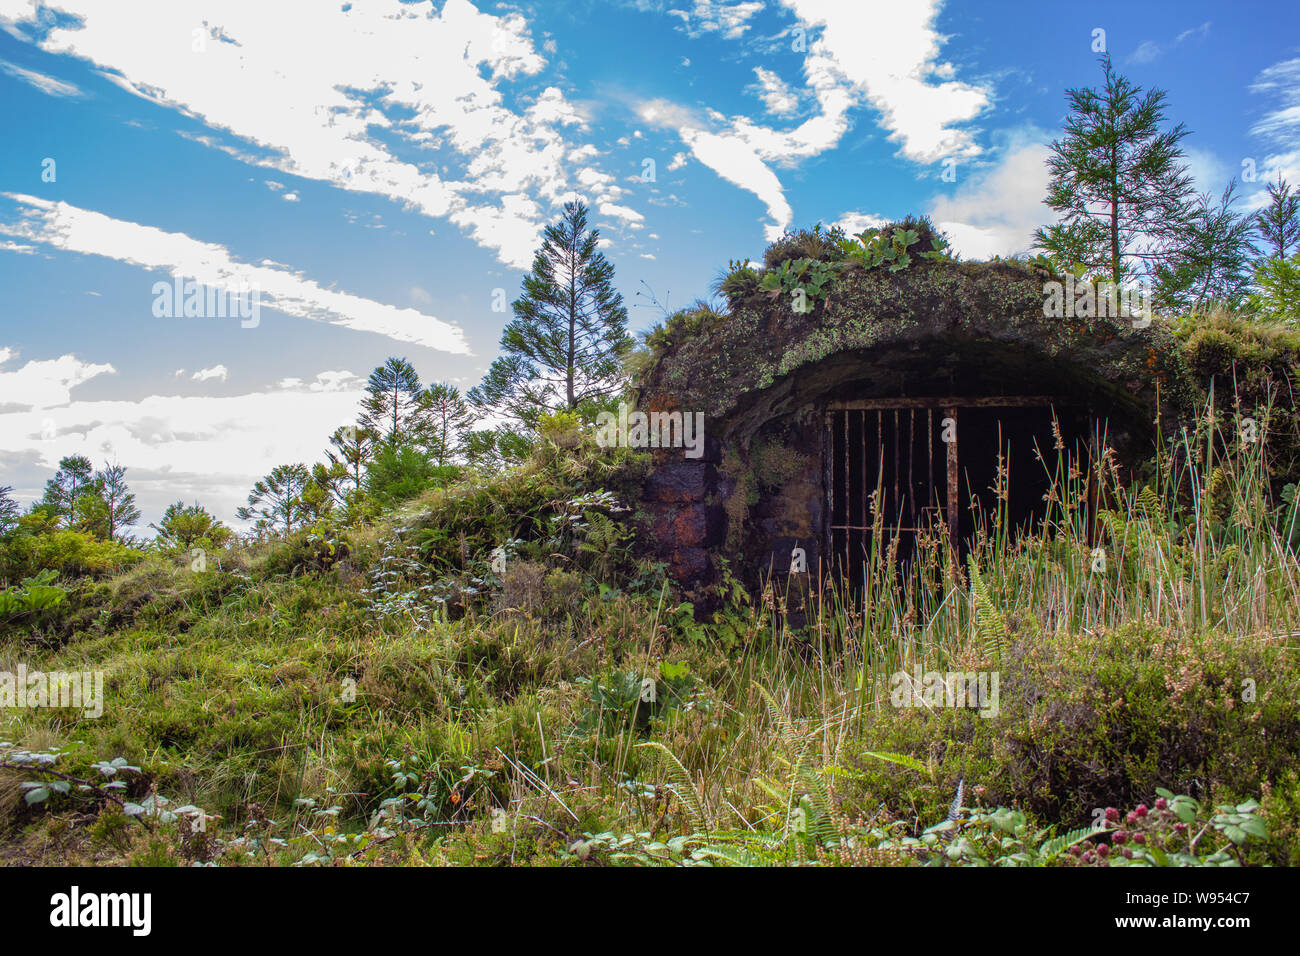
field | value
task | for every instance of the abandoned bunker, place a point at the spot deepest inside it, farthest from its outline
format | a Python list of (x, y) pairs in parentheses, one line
[(887, 404)]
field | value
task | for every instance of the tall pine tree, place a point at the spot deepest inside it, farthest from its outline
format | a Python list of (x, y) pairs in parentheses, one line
[(392, 403), (445, 419), (73, 479), (278, 500), (1118, 182), (120, 511), (567, 341), (1278, 223)]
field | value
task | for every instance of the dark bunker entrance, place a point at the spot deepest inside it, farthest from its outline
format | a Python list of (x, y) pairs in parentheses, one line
[(902, 470)]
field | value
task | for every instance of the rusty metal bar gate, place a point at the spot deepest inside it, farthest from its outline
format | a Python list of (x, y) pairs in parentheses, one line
[(891, 465)]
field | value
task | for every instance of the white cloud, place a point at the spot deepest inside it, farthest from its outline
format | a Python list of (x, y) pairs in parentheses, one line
[(328, 381), (307, 108), (997, 211), (46, 384), (209, 448), (1149, 51), (882, 56), (46, 84), (710, 16), (626, 214), (775, 94), (1209, 173), (218, 372), (738, 162), (80, 230), (855, 222), (1146, 52), (290, 197), (1279, 127)]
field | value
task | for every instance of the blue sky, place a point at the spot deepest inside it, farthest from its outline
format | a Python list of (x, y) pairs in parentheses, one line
[(378, 169)]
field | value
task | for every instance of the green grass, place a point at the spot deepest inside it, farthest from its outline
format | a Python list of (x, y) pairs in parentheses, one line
[(228, 689)]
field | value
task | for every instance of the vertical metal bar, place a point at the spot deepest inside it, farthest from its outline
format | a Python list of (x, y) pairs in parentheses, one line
[(929, 447), (953, 490), (828, 479), (863, 413), (848, 494), (898, 507), (911, 471)]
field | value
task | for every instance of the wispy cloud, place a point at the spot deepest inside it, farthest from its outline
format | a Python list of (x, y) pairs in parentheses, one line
[(46, 84), (218, 373), (996, 211), (73, 229), (1279, 126), (206, 448), (44, 384), (1148, 51), (883, 57), (731, 20), (308, 109)]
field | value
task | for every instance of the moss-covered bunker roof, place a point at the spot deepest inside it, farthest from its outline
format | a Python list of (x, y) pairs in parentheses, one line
[(714, 362)]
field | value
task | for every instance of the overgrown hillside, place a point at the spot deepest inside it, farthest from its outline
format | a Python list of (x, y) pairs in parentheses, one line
[(494, 673)]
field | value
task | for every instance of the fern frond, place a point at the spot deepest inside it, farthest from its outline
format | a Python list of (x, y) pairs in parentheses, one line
[(682, 786), (990, 625), (736, 856), (1058, 845), (1147, 503), (794, 742), (954, 811)]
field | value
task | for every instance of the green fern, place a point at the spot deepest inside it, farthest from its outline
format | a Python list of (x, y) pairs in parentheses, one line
[(682, 787), (990, 625), (1057, 845)]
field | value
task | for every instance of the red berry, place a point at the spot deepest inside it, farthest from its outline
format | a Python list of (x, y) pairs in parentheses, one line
[(1141, 810), (1128, 854), (1087, 858), (1139, 838), (1161, 803), (1180, 827), (1112, 814), (1132, 818), (1119, 837), (1103, 850)]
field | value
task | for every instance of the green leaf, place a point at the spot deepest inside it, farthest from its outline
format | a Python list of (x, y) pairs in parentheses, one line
[(901, 759), (37, 795)]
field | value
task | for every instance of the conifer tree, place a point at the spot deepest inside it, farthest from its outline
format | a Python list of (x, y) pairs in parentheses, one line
[(391, 406), (567, 341), (1118, 182)]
